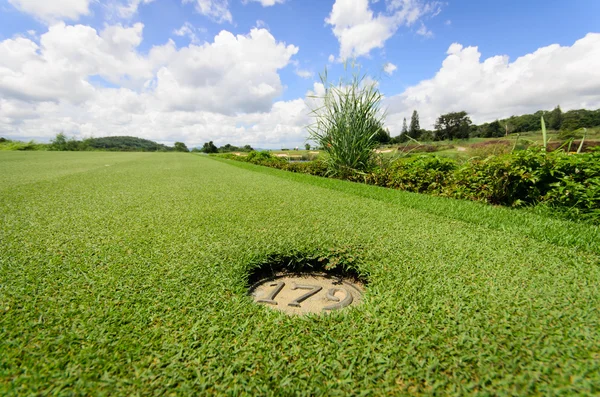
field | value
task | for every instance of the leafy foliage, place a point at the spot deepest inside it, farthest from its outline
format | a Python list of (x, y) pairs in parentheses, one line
[(555, 119), (125, 144), (228, 148), (9, 145), (415, 129), (566, 183), (180, 147), (209, 147), (454, 125)]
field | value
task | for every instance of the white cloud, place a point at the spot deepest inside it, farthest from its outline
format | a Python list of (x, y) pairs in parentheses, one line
[(265, 3), (389, 68), (497, 88), (217, 10), (53, 10), (359, 30), (305, 74), (130, 8), (222, 91), (331, 58), (423, 31), (57, 68), (188, 30), (233, 74)]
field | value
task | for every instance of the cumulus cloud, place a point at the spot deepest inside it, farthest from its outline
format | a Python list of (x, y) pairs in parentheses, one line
[(359, 30), (53, 10), (85, 83), (497, 88), (389, 68), (57, 68), (233, 74), (217, 10)]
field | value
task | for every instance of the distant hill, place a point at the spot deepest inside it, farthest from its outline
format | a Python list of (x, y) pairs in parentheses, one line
[(126, 144)]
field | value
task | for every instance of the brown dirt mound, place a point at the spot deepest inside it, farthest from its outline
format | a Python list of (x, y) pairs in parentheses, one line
[(490, 143), (423, 148), (587, 145)]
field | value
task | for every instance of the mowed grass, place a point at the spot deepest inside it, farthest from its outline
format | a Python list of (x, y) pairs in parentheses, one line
[(125, 273)]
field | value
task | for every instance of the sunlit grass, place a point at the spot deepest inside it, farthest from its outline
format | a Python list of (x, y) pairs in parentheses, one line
[(125, 274)]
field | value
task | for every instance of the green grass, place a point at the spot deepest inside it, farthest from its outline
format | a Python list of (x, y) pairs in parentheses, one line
[(125, 273)]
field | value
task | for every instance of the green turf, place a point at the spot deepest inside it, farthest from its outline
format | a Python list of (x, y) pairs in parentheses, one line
[(126, 274)]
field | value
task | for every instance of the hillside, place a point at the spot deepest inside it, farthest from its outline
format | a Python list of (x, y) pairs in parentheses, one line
[(126, 144)]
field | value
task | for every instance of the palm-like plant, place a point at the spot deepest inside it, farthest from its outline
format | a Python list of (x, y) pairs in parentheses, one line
[(347, 122)]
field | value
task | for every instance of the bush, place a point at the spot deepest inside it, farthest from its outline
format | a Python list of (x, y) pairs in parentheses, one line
[(513, 180), (533, 177), (568, 184), (423, 174)]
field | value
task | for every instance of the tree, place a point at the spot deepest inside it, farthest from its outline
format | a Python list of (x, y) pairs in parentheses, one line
[(383, 136), (59, 142), (556, 119), (404, 127), (209, 147), (415, 129), (307, 146), (493, 130), (455, 125), (180, 147)]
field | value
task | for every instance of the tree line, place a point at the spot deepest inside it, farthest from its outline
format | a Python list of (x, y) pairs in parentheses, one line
[(113, 144), (458, 125), (210, 147)]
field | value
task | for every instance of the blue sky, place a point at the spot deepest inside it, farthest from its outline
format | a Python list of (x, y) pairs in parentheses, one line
[(236, 71)]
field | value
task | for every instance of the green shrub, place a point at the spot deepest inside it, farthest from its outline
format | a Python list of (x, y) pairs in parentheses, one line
[(567, 184), (513, 180), (556, 179), (422, 174), (316, 167)]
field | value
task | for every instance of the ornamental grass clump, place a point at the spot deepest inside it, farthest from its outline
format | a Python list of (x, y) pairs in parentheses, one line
[(346, 122)]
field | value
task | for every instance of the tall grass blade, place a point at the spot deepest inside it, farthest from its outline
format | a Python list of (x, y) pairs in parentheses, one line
[(544, 136), (347, 122), (516, 141), (582, 140)]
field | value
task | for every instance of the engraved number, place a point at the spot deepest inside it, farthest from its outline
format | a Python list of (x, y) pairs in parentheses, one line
[(313, 290), (269, 298), (331, 296)]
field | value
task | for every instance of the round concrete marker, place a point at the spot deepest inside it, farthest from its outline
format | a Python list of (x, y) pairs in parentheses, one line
[(304, 293)]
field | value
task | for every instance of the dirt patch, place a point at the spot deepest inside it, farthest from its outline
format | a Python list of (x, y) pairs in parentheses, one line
[(492, 142), (423, 148), (587, 145), (384, 151)]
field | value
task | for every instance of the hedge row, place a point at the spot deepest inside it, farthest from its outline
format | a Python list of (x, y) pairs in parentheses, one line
[(567, 183)]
